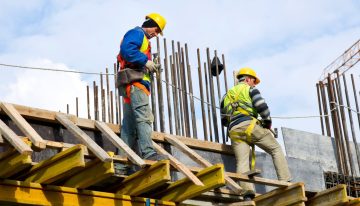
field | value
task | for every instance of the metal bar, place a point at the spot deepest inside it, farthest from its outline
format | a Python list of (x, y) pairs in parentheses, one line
[(166, 67), (116, 96), (177, 70), (218, 88), (67, 108), (212, 96), (355, 97), (88, 101), (160, 90), (95, 102), (192, 107), (112, 106), (97, 112), (153, 101), (108, 96), (335, 126), (186, 103), (103, 110), (342, 125), (320, 109), (207, 100), (175, 96), (77, 106), (325, 107), (225, 76), (202, 97)]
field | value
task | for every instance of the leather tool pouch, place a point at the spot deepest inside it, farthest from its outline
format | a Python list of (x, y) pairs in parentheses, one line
[(128, 75)]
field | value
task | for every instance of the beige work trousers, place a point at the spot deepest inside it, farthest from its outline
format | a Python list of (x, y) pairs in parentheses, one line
[(264, 139)]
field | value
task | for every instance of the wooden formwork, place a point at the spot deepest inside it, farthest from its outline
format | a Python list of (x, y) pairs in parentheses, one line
[(70, 175)]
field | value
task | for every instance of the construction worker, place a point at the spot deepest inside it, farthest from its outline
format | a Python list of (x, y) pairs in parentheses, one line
[(241, 107), (135, 66)]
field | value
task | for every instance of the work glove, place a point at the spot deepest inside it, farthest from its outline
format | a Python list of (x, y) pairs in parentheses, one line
[(266, 123), (152, 67)]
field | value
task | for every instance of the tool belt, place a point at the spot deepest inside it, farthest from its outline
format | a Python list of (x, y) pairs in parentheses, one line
[(248, 132), (128, 75)]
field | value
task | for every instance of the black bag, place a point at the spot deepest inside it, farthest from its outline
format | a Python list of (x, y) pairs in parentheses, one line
[(213, 66)]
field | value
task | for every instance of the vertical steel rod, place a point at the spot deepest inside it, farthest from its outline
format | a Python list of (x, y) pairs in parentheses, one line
[(67, 109), (225, 76), (77, 107), (355, 97), (212, 96), (202, 96), (102, 94), (325, 107), (116, 96), (341, 126), (219, 93), (153, 101), (320, 109), (351, 124), (208, 101), (108, 95), (88, 100), (95, 101), (192, 106), (166, 67), (344, 123), (185, 93), (335, 125), (112, 106), (175, 96), (180, 92), (160, 90)]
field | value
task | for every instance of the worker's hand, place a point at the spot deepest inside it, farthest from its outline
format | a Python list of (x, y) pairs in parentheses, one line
[(151, 66), (266, 123)]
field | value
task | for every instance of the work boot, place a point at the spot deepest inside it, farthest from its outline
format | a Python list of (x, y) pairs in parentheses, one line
[(157, 157)]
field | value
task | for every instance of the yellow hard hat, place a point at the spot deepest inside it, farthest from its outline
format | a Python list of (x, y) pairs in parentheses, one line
[(249, 72), (160, 20)]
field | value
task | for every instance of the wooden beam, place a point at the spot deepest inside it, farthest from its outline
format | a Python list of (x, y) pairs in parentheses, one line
[(183, 189), (23, 125), (11, 162), (14, 140), (245, 203), (16, 192), (95, 171), (333, 196), (252, 173), (178, 165), (200, 160), (83, 137), (49, 116), (146, 179), (59, 166), (291, 195), (119, 143)]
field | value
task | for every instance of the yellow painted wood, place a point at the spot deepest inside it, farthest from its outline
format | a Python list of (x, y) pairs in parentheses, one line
[(333, 196), (291, 195), (16, 192), (95, 171), (61, 165), (354, 202), (146, 179), (183, 189), (11, 162)]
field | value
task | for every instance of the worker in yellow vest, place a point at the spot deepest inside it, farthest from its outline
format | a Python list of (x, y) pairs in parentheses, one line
[(135, 66), (241, 107)]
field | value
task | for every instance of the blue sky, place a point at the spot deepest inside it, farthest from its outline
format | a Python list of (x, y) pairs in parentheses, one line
[(288, 43)]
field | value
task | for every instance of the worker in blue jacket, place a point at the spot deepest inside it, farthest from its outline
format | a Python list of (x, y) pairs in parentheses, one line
[(135, 66)]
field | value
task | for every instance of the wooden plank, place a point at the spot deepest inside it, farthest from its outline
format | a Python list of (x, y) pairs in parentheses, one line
[(183, 189), (61, 165), (178, 165), (291, 195), (353, 202), (252, 173), (14, 140), (95, 171), (200, 160), (146, 179), (49, 116), (119, 143), (21, 193), (333, 196), (23, 125), (83, 137), (11, 162), (245, 203)]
